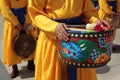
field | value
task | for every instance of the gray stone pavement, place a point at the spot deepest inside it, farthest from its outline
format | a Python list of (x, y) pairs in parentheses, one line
[(109, 72), (4, 75)]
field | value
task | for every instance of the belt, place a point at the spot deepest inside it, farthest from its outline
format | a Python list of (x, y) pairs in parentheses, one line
[(72, 21)]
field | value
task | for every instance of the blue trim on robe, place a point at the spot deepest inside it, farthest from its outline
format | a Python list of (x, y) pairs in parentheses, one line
[(20, 13), (95, 3), (72, 74), (111, 3)]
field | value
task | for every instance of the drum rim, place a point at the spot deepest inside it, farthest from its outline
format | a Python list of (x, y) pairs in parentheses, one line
[(79, 34), (83, 65)]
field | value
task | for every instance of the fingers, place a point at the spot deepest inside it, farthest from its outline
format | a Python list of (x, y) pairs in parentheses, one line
[(25, 26), (103, 22), (61, 32), (19, 27)]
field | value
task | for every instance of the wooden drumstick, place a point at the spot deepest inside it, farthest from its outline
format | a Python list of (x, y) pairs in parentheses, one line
[(77, 26), (90, 26), (87, 26)]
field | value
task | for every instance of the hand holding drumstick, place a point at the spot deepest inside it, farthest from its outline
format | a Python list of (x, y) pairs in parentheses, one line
[(61, 31)]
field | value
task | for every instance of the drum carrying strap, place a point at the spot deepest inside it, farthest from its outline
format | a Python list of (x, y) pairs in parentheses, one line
[(72, 21), (20, 13), (112, 3)]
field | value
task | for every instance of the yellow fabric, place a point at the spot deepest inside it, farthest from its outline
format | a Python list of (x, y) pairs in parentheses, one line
[(10, 21), (105, 11), (48, 67)]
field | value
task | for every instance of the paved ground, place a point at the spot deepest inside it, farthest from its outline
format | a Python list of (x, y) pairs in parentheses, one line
[(109, 72)]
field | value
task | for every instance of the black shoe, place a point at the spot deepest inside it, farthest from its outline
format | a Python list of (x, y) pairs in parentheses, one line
[(31, 65), (14, 73), (32, 68)]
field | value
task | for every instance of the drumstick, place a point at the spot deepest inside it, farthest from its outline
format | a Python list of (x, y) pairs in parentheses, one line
[(87, 26), (77, 26)]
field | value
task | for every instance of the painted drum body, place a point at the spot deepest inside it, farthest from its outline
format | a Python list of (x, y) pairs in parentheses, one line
[(86, 48)]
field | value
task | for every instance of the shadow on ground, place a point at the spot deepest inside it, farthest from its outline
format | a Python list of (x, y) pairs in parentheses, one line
[(116, 48), (25, 73), (103, 69)]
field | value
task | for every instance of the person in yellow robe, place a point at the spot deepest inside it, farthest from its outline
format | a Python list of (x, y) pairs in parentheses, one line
[(51, 17), (15, 18), (109, 10)]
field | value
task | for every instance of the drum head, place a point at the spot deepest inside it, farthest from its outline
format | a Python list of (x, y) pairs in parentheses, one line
[(24, 45)]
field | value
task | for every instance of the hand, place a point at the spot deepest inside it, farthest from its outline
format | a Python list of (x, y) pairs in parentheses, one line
[(25, 26), (119, 14), (19, 27), (113, 14), (61, 32), (103, 22), (114, 20)]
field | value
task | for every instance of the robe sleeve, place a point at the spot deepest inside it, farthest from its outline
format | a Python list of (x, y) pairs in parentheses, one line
[(27, 17), (7, 13), (104, 6), (40, 19), (89, 12), (118, 6)]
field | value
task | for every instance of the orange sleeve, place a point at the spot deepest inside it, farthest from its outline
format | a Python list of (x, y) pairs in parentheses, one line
[(40, 19), (104, 6), (7, 13), (118, 5)]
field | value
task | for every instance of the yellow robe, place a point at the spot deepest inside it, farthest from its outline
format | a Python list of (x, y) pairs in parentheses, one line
[(48, 67), (105, 10), (10, 21)]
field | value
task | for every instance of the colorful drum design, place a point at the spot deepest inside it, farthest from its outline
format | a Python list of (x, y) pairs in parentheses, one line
[(86, 48)]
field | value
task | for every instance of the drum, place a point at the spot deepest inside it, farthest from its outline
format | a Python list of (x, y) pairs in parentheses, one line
[(86, 48), (24, 45)]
